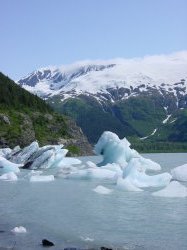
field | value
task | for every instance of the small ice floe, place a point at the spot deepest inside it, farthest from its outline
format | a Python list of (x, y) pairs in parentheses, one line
[(87, 239), (8, 166), (127, 185), (114, 167), (173, 190), (68, 161), (102, 190), (42, 178), (180, 173), (11, 176), (19, 229), (34, 172), (65, 171), (4, 152), (93, 173), (91, 164), (25, 153)]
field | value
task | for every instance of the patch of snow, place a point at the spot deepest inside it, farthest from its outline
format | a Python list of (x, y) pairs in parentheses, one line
[(154, 131), (173, 120), (97, 76), (166, 120)]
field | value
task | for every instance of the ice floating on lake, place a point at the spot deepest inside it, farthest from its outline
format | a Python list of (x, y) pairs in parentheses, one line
[(127, 185), (180, 173), (115, 168), (33, 172), (90, 164), (87, 239), (42, 178), (94, 173), (135, 175), (19, 229), (11, 176), (5, 151), (102, 190), (129, 165), (25, 154), (68, 161), (114, 150), (173, 190), (33, 157), (7, 166)]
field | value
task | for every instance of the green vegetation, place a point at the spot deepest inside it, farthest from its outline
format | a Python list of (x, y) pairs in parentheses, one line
[(25, 117), (160, 147), (13, 96), (142, 113), (73, 149), (133, 118), (90, 116)]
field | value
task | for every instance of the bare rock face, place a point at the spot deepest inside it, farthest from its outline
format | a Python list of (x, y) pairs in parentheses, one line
[(27, 131), (5, 119), (78, 140)]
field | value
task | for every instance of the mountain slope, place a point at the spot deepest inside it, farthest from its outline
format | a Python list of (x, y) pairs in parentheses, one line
[(131, 97), (25, 118)]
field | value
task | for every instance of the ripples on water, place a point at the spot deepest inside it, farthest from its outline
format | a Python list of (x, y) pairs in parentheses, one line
[(69, 213)]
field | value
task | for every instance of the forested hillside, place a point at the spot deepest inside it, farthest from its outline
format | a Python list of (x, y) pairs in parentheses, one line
[(25, 117)]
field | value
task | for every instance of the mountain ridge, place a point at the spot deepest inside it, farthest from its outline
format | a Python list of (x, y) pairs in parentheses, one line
[(131, 97)]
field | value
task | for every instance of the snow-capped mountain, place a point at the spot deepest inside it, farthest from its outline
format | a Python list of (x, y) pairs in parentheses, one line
[(98, 78), (131, 97)]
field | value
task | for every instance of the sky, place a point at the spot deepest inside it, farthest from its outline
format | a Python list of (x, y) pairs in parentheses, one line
[(38, 33)]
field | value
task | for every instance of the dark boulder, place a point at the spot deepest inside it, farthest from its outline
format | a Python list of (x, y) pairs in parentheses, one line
[(47, 243)]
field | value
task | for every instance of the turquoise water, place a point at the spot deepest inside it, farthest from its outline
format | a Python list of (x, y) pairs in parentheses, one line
[(69, 213)]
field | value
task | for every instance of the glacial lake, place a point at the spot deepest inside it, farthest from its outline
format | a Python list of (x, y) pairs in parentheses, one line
[(71, 214)]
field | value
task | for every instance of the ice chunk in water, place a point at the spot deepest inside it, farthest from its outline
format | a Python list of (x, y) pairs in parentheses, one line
[(4, 152), (113, 149), (114, 167), (94, 173), (45, 160), (19, 229), (42, 178), (135, 174), (102, 190), (127, 185), (91, 164), (180, 173), (68, 161), (11, 176), (173, 190), (25, 154), (7, 166)]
